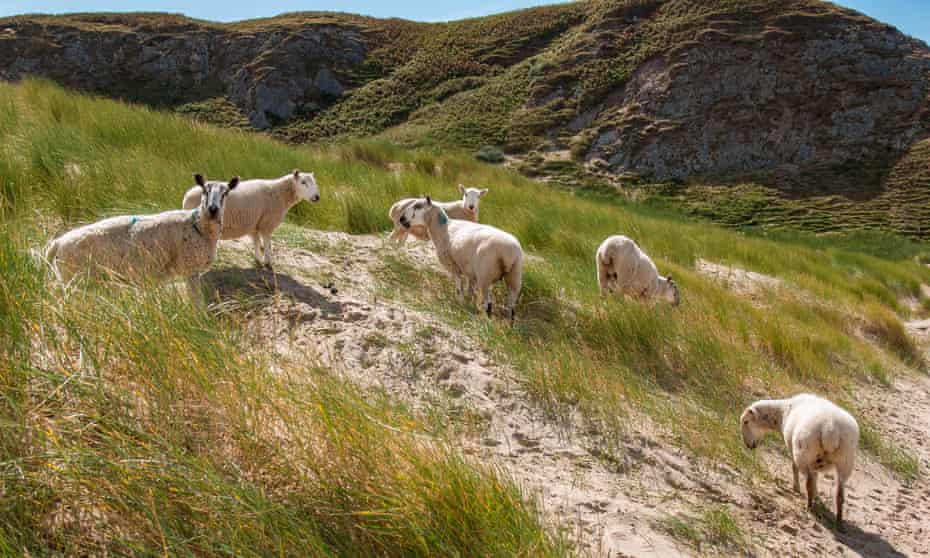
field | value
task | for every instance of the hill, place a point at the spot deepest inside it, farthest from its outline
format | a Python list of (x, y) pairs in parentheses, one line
[(750, 112), (384, 418)]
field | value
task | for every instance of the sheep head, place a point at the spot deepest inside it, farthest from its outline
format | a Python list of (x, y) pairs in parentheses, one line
[(419, 212), (213, 200), (470, 196), (753, 426), (307, 188)]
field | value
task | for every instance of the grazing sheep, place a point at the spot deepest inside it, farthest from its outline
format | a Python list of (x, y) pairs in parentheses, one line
[(818, 434), (476, 255), (623, 267), (258, 206), (465, 209), (160, 246)]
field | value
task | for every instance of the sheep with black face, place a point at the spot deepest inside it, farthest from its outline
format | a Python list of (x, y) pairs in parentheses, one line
[(178, 243)]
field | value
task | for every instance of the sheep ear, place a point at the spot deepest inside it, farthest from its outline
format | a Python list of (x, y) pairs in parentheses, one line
[(669, 278), (296, 173), (482, 192), (198, 178), (461, 188), (429, 202), (233, 182)]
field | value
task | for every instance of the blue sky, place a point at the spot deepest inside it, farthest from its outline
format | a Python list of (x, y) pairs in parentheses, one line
[(911, 16)]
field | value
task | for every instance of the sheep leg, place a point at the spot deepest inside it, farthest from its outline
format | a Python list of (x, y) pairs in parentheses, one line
[(840, 499), (602, 280), (514, 281), (797, 485), (399, 235), (266, 241), (484, 298), (460, 281), (257, 247), (811, 489), (195, 290)]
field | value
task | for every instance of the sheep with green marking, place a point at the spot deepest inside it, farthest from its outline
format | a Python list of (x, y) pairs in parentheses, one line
[(465, 209), (476, 255), (178, 243)]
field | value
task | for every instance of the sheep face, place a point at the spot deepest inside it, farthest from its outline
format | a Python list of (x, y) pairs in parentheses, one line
[(415, 214), (752, 428), (670, 291), (307, 187), (213, 200), (470, 196)]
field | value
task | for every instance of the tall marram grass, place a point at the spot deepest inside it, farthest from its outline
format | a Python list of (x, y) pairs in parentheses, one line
[(282, 454), (134, 423)]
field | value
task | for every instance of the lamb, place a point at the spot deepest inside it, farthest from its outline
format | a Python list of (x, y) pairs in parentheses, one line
[(465, 209), (818, 434), (476, 255), (623, 267), (258, 206), (159, 246)]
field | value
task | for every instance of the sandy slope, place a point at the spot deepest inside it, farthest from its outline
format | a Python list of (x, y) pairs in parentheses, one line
[(611, 507)]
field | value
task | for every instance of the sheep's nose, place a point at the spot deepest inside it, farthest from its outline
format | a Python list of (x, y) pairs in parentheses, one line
[(213, 210), (316, 198), (471, 207)]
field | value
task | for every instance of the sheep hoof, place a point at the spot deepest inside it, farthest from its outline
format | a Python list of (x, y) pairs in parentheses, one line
[(489, 310)]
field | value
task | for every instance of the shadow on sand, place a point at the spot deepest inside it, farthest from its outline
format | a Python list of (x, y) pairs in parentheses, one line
[(256, 283)]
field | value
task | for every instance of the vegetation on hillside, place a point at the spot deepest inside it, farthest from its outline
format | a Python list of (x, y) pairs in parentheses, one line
[(137, 423)]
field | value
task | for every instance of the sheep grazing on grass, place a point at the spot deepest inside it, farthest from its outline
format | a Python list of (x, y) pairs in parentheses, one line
[(476, 255), (819, 435), (622, 267), (465, 209), (258, 206), (179, 243)]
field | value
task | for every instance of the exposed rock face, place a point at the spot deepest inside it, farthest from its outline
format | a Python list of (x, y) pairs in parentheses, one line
[(795, 97), (270, 75), (662, 88)]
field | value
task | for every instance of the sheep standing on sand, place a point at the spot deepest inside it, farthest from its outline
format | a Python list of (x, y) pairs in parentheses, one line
[(624, 268), (476, 255), (819, 435), (258, 206), (160, 246), (465, 209)]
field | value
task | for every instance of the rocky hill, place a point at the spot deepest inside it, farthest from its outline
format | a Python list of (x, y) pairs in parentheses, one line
[(817, 105)]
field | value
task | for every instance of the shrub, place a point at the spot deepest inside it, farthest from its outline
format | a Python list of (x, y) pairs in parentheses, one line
[(490, 154)]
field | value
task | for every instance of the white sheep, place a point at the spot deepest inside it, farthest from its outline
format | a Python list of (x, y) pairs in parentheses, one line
[(622, 267), (465, 209), (258, 206), (819, 435), (178, 243), (476, 255)]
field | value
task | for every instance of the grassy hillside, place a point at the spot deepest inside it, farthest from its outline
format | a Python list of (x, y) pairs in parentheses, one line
[(624, 94), (136, 423), (133, 423)]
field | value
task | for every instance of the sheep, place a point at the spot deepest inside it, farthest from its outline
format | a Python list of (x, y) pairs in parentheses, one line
[(258, 206), (818, 434), (623, 267), (160, 246), (465, 209), (476, 255)]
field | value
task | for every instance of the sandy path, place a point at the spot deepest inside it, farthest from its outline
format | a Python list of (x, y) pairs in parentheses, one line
[(611, 507)]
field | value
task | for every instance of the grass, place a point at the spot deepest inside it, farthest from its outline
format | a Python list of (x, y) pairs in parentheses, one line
[(715, 527), (135, 423), (99, 412), (527, 81)]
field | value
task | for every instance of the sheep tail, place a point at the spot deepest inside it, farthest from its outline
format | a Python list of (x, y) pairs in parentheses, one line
[(830, 436)]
